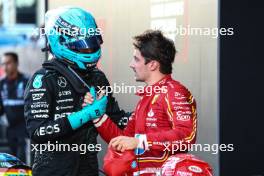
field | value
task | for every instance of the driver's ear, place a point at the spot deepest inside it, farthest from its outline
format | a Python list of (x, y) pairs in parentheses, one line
[(153, 65)]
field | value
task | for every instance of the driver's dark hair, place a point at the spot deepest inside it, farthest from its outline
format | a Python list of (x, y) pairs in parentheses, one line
[(13, 55), (153, 45)]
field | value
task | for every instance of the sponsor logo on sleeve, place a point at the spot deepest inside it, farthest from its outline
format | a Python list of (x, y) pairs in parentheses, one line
[(38, 90), (151, 113), (63, 107), (41, 116), (65, 100), (39, 105), (195, 169), (37, 96), (51, 129), (62, 82), (183, 117), (33, 111), (64, 93), (37, 83), (183, 173), (62, 115)]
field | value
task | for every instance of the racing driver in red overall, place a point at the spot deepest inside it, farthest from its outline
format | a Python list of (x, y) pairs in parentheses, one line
[(164, 118)]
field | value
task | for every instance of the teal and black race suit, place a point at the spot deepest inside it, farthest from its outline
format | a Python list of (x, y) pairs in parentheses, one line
[(53, 93)]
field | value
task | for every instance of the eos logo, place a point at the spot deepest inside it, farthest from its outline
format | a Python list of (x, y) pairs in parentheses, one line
[(195, 169), (48, 130)]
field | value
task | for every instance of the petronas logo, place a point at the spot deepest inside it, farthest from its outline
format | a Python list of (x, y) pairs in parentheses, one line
[(37, 83)]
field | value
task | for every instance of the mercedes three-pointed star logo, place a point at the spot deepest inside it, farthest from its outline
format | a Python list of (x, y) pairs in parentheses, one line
[(62, 82)]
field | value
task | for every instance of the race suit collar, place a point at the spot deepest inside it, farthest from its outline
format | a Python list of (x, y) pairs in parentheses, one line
[(75, 81)]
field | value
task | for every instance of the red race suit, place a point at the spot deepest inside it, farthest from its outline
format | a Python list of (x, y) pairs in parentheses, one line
[(165, 118)]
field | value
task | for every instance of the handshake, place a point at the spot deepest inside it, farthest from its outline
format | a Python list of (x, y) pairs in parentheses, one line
[(93, 108)]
